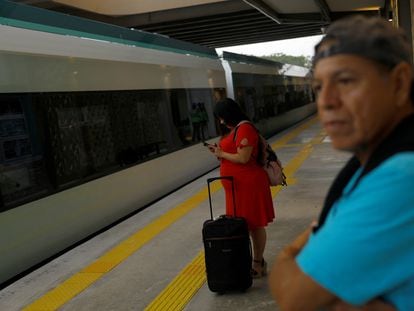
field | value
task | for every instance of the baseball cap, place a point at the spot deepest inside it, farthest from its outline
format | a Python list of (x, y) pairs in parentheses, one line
[(371, 37)]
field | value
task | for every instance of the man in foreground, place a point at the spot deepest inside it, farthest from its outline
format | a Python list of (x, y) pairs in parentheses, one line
[(360, 254)]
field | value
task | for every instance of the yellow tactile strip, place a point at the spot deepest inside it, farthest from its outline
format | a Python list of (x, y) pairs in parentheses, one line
[(179, 292), (194, 271), (80, 281), (64, 292)]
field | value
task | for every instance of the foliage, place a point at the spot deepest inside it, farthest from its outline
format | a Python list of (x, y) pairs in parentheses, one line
[(304, 61)]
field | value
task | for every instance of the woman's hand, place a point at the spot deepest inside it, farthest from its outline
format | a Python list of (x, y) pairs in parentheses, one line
[(218, 152), (242, 156), (212, 147)]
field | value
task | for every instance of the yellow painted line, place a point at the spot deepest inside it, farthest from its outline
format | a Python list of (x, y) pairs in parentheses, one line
[(80, 281), (293, 133), (291, 145), (297, 161), (64, 292), (178, 293)]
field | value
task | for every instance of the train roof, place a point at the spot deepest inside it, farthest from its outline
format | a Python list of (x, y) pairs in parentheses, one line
[(250, 59), (280, 68), (33, 18), (29, 17), (295, 71)]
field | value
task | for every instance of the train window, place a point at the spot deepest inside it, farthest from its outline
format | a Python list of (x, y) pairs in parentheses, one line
[(265, 96), (12, 127), (52, 141), (10, 106), (22, 174), (16, 148)]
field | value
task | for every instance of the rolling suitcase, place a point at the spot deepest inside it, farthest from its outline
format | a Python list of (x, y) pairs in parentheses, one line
[(227, 250)]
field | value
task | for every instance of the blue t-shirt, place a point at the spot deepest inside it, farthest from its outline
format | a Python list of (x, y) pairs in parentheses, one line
[(365, 249)]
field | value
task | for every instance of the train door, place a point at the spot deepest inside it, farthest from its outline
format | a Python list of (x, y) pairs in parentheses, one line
[(180, 115), (202, 100), (22, 166)]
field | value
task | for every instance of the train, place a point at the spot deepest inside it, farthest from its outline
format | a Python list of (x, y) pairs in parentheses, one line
[(98, 121)]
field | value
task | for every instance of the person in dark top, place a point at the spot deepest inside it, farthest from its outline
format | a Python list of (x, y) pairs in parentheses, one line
[(360, 254), (195, 116), (203, 122)]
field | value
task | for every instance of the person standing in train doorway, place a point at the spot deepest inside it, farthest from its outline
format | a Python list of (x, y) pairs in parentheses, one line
[(195, 116), (360, 254), (238, 151), (203, 121)]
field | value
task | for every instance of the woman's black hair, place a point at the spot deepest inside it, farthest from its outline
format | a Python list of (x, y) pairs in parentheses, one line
[(228, 110)]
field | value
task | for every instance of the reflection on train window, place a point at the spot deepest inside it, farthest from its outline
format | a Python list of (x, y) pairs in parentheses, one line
[(265, 96), (12, 127), (16, 148), (10, 106), (22, 171), (52, 141)]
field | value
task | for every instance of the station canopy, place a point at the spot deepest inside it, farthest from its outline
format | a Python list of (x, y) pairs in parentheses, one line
[(219, 23)]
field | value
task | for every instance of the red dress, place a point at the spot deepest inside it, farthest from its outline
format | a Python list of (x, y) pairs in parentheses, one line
[(251, 183)]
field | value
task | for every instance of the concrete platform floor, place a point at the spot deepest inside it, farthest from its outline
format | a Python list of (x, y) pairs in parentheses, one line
[(135, 282)]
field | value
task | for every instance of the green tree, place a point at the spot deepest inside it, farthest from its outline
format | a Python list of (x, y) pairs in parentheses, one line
[(304, 61)]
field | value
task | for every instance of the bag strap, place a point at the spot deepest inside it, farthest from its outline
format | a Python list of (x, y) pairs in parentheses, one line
[(258, 136), (261, 138), (399, 140), (238, 125)]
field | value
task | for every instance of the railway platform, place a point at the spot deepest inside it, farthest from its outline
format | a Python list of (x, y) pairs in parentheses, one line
[(154, 259)]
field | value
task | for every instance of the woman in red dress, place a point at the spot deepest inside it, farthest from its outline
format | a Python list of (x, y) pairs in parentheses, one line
[(238, 152)]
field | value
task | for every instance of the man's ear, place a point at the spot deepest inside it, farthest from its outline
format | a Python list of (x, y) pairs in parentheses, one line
[(402, 75)]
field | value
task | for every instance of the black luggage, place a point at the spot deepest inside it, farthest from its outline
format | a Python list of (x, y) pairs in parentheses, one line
[(227, 250)]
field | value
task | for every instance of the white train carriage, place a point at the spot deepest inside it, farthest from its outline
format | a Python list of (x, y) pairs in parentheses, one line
[(95, 124)]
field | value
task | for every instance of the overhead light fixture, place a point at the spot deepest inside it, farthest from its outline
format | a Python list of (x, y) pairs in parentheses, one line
[(369, 8)]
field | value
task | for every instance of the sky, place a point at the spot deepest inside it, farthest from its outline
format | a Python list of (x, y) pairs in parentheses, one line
[(295, 47)]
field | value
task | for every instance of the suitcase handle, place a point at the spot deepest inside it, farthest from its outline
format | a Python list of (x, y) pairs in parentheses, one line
[(209, 180)]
